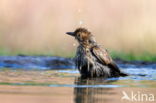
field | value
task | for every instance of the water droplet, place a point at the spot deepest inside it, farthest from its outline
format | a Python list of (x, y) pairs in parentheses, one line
[(74, 44), (79, 10), (80, 22)]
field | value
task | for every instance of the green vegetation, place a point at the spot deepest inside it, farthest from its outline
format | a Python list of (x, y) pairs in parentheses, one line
[(7, 52), (144, 56), (133, 56)]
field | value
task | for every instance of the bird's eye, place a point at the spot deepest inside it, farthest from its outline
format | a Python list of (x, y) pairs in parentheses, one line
[(78, 34)]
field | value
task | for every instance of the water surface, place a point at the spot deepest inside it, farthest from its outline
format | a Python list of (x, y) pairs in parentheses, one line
[(37, 84)]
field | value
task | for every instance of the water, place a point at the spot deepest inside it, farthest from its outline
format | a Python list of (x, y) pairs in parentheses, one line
[(62, 85)]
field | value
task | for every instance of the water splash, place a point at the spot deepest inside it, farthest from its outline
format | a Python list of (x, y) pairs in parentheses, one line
[(79, 10), (81, 22), (74, 44)]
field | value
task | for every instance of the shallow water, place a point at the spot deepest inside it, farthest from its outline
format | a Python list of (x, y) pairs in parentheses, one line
[(38, 85)]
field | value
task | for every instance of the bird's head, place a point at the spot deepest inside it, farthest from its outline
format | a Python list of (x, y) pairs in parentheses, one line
[(82, 35)]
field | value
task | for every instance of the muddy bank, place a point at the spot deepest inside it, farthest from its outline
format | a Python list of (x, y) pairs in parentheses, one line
[(53, 62)]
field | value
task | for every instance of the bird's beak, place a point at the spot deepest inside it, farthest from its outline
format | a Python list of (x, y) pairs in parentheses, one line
[(70, 33)]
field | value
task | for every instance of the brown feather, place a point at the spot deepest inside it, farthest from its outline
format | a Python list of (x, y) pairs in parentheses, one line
[(102, 55), (91, 59)]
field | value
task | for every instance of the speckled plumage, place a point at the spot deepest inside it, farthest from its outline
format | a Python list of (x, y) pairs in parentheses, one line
[(91, 59)]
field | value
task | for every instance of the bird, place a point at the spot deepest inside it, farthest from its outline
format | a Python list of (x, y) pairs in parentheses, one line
[(92, 60)]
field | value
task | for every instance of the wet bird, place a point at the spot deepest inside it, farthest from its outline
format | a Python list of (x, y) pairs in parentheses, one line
[(91, 59)]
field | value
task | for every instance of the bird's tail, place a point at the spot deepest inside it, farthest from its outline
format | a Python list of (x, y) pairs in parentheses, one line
[(123, 74)]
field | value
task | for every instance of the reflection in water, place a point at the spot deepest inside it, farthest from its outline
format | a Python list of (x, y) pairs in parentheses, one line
[(92, 94)]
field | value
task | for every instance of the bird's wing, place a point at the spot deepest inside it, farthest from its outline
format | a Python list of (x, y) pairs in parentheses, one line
[(103, 56)]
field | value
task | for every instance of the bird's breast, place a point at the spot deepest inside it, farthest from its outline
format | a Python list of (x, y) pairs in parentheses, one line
[(83, 56)]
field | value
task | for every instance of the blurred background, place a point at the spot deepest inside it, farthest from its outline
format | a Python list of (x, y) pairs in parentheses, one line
[(39, 26)]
